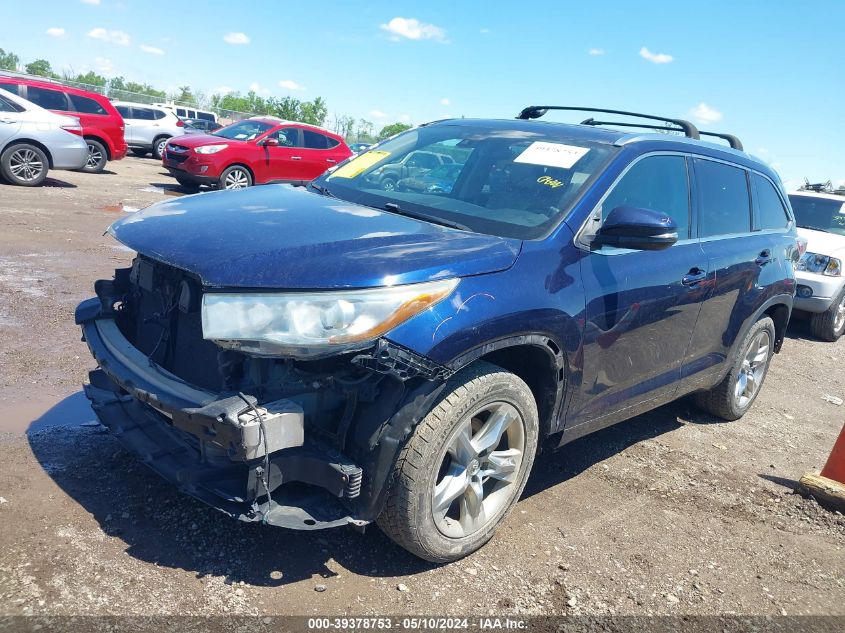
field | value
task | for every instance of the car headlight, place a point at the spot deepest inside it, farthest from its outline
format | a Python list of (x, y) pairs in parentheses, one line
[(821, 264), (313, 324), (210, 149)]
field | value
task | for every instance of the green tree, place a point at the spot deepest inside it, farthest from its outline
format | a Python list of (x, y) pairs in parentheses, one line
[(8, 61), (91, 78), (313, 112), (364, 132), (390, 130), (41, 68)]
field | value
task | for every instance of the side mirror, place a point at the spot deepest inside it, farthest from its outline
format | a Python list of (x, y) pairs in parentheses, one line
[(637, 228), (270, 141)]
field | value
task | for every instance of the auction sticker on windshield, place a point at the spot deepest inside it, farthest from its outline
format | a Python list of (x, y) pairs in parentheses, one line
[(358, 164), (551, 154)]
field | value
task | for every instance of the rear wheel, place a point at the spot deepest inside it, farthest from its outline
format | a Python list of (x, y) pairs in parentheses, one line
[(97, 157), (24, 164), (732, 397), (830, 325), (464, 467), (235, 177), (158, 147)]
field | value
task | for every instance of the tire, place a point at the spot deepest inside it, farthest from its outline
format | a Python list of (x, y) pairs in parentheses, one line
[(187, 184), (97, 157), (388, 184), (140, 153), (158, 146), (830, 325), (447, 441), (24, 165), (732, 397), (235, 177)]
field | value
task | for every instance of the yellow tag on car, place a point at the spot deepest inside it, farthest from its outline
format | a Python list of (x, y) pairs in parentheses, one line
[(357, 165)]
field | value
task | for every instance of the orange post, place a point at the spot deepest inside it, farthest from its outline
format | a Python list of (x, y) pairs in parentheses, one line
[(835, 467)]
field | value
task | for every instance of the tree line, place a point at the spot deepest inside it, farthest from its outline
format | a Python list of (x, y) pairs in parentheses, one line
[(315, 112)]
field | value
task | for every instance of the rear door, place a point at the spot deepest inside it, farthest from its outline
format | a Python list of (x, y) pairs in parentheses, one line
[(641, 306), (50, 99), (10, 119), (144, 125), (125, 111), (318, 154)]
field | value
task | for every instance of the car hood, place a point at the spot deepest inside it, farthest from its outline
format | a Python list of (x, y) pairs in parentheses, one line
[(276, 236), (823, 243), (201, 138)]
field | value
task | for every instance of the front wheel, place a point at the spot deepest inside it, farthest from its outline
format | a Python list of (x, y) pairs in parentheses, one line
[(732, 397), (830, 324), (388, 184), (464, 467), (24, 165), (235, 177), (97, 157), (158, 147)]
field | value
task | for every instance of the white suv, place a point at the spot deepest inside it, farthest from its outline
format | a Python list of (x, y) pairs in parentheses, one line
[(820, 216), (148, 127)]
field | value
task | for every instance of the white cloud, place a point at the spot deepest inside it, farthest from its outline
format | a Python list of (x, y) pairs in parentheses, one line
[(705, 114), (236, 38), (378, 114), (257, 88), (290, 84), (152, 50), (445, 101), (104, 66), (655, 58), (484, 31), (597, 51), (94, 2), (55, 31), (115, 37), (413, 29), (222, 90)]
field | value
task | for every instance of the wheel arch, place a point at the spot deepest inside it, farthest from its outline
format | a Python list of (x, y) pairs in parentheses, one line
[(239, 164), (101, 141), (30, 141)]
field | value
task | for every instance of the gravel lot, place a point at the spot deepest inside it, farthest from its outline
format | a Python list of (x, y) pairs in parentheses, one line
[(673, 512)]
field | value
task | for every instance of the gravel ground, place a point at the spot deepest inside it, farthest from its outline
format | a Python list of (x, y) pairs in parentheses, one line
[(673, 512)]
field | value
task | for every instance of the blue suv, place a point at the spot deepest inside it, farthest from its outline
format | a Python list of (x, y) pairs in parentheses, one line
[(343, 354)]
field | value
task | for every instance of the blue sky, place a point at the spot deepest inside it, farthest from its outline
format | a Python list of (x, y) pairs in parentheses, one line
[(771, 72)]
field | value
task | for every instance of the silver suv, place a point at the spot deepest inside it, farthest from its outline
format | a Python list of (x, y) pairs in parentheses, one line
[(148, 127)]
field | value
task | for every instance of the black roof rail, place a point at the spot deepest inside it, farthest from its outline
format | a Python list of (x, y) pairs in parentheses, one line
[(535, 112), (730, 138)]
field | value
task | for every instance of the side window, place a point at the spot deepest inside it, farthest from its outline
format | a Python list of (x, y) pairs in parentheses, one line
[(181, 112), (288, 137), (331, 142), (49, 99), (13, 88), (86, 105), (206, 116), (315, 140), (158, 114), (426, 161), (723, 192), (770, 207), (9, 106), (123, 111), (145, 114), (659, 183)]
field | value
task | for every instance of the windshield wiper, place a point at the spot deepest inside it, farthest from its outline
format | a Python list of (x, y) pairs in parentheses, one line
[(323, 191), (815, 228), (395, 208)]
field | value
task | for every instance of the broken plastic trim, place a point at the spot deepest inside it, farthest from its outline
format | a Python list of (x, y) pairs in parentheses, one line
[(399, 362)]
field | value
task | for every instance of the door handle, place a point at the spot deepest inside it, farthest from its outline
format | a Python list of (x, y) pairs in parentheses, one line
[(296, 157), (331, 160), (694, 277), (6, 121), (763, 258)]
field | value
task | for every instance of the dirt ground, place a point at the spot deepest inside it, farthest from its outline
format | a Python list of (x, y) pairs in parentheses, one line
[(673, 512)]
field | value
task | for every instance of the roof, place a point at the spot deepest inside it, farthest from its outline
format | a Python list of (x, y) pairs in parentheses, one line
[(815, 194)]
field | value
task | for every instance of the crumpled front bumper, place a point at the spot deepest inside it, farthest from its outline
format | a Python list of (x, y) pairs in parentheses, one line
[(196, 439)]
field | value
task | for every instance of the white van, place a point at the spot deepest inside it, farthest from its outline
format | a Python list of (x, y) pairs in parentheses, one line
[(184, 112)]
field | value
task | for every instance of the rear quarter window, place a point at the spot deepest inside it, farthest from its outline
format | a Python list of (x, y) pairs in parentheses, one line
[(724, 203), (770, 208)]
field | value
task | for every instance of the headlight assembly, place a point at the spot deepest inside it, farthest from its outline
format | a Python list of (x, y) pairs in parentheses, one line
[(821, 264), (210, 149), (313, 324)]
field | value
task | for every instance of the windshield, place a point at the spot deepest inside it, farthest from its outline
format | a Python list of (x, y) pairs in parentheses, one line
[(819, 213), (243, 130), (509, 182)]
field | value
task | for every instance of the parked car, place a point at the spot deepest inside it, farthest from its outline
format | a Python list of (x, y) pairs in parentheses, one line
[(821, 283), (148, 127), (202, 126), (102, 126), (438, 180), (357, 148), (253, 152), (410, 165), (184, 112), (34, 140), (342, 354)]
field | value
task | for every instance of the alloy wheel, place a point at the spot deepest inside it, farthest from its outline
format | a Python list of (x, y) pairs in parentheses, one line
[(26, 165), (160, 147), (478, 470), (236, 179), (95, 156), (753, 369), (839, 318)]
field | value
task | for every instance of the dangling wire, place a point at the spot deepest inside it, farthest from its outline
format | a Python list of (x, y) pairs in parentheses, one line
[(266, 474)]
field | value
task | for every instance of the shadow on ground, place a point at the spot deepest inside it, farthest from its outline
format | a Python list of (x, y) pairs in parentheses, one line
[(164, 527)]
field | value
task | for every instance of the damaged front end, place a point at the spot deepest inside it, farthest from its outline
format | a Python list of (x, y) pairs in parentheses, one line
[(299, 443)]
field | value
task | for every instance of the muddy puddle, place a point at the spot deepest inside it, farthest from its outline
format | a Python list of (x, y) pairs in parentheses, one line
[(44, 412), (118, 207)]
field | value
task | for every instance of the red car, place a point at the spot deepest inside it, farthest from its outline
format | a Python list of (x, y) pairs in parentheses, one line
[(102, 126), (252, 152)]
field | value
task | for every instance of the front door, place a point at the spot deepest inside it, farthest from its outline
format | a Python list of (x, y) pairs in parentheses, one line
[(284, 162), (641, 306), (10, 119)]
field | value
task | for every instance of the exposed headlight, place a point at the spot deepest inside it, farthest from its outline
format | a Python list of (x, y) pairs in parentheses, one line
[(210, 149), (313, 324), (821, 264)]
